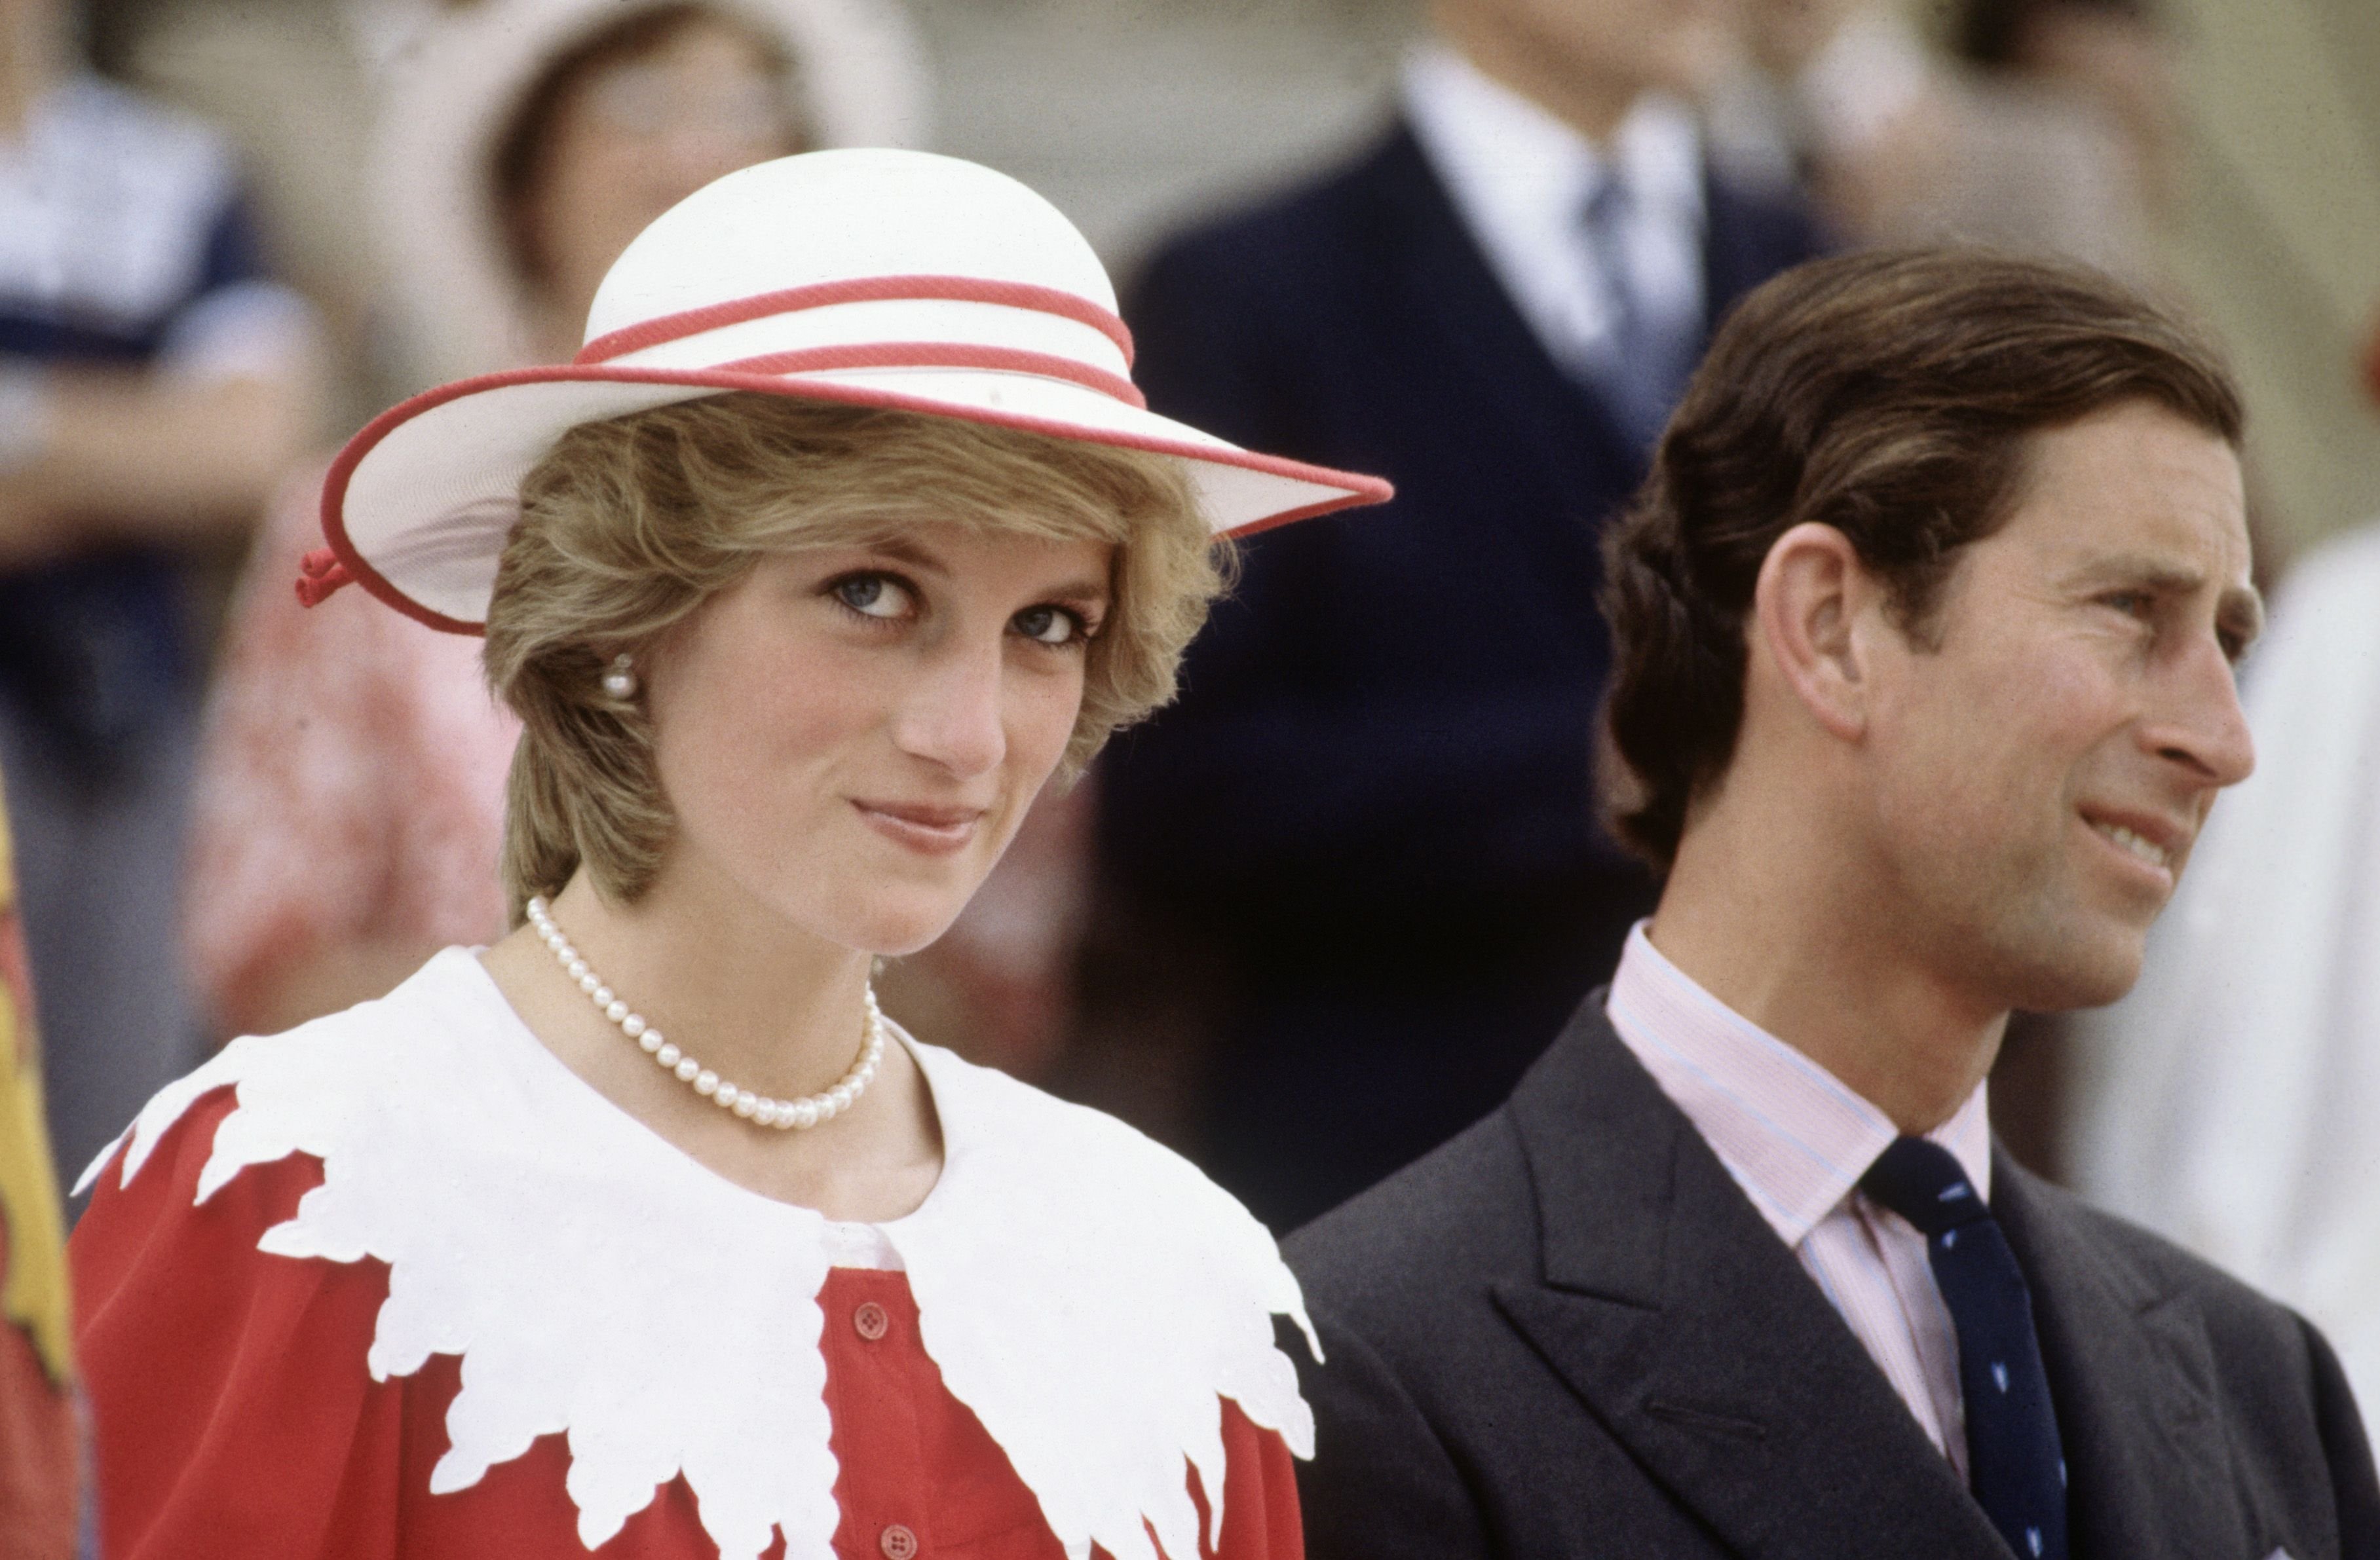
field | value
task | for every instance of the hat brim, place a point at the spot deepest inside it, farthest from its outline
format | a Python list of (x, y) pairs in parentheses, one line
[(417, 505)]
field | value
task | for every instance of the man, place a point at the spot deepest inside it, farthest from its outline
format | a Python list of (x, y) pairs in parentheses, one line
[(1370, 819), (1923, 632), (153, 389)]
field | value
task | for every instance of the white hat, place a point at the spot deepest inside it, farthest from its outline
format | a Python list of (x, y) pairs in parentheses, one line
[(452, 80), (871, 277)]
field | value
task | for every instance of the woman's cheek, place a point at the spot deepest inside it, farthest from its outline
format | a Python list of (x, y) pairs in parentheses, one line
[(1051, 710)]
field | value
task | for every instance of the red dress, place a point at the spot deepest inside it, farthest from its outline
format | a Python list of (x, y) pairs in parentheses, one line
[(237, 1411)]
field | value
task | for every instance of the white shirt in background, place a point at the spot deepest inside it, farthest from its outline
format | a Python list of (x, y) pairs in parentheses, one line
[(1521, 180)]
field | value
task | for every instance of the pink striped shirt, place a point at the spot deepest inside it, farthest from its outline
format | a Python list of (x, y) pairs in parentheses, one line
[(1797, 1140)]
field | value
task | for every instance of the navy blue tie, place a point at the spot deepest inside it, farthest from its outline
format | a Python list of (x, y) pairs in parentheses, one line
[(2015, 1466)]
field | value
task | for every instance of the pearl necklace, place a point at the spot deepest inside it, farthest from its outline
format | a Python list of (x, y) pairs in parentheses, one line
[(758, 1109)]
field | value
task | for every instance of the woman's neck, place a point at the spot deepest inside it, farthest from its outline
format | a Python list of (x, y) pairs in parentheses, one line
[(763, 1004)]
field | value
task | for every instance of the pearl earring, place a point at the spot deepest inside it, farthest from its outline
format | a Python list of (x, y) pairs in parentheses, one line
[(620, 682)]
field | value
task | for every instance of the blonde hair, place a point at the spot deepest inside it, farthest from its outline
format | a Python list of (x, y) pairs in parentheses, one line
[(629, 525)]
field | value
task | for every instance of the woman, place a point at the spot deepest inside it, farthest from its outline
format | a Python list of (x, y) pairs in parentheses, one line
[(846, 530), (348, 799)]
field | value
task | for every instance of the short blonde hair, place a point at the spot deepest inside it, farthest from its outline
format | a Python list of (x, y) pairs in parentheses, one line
[(629, 525)]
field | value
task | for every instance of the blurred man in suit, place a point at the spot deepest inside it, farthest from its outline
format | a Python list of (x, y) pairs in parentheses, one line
[(1923, 634), (1371, 813)]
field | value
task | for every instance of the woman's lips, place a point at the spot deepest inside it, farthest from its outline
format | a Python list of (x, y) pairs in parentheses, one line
[(932, 832)]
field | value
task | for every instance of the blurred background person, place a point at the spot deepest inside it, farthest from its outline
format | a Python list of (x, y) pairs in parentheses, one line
[(2232, 1101), (351, 782), (2047, 127), (153, 384), (1370, 811), (41, 1489)]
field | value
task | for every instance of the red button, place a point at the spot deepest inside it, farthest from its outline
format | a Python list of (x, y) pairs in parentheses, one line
[(871, 1322), (898, 1543)]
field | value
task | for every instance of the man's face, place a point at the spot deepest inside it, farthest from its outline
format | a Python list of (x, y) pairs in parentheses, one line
[(1624, 46), (2043, 769)]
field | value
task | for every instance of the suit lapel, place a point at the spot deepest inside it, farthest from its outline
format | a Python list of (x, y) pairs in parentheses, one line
[(1453, 293), (2132, 1376), (1693, 1335)]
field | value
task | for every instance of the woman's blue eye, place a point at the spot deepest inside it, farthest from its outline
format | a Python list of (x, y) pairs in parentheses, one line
[(871, 595), (1047, 626)]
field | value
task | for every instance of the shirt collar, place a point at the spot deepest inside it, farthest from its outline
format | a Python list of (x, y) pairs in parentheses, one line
[(1796, 1138), (1511, 164)]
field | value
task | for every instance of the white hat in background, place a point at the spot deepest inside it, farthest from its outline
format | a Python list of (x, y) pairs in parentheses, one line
[(453, 77), (881, 278)]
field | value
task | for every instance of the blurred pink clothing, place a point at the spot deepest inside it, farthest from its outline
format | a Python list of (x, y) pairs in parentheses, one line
[(350, 785)]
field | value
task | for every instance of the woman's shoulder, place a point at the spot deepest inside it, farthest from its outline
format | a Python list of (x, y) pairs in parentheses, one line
[(1093, 1172), (290, 1093)]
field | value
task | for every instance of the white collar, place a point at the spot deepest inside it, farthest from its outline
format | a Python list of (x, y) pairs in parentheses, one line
[(1059, 1255), (1521, 179), (1794, 1136)]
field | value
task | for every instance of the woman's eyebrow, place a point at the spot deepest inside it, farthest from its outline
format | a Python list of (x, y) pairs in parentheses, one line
[(903, 549), (1085, 591)]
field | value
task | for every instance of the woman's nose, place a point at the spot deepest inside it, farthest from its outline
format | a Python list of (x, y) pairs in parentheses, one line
[(952, 715)]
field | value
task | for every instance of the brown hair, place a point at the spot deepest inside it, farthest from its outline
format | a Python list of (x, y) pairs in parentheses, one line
[(629, 525), (1889, 396)]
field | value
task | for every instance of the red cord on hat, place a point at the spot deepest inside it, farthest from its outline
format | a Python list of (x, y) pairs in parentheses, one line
[(319, 573)]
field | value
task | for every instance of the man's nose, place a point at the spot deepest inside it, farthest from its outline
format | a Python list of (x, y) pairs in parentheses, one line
[(2203, 727)]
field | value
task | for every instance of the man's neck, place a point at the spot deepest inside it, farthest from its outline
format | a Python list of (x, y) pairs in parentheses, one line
[(1785, 939), (1593, 106)]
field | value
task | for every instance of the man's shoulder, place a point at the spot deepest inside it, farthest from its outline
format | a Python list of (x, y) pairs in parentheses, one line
[(2148, 1269), (2164, 1337), (1430, 1238)]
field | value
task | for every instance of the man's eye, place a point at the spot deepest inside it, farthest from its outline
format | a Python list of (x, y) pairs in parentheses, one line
[(2132, 603), (874, 595), (1047, 626)]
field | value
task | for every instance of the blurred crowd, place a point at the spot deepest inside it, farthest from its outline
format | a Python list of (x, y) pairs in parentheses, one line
[(240, 800)]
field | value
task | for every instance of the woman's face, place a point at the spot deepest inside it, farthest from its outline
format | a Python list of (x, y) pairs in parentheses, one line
[(633, 138), (852, 737)]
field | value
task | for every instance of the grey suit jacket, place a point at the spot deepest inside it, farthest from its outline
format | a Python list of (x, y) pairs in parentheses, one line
[(1567, 1332)]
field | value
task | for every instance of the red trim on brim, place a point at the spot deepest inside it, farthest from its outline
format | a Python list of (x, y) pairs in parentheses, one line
[(1360, 490), (942, 354), (863, 289)]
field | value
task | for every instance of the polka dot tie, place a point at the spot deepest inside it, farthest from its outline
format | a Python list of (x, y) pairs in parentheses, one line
[(2014, 1464)]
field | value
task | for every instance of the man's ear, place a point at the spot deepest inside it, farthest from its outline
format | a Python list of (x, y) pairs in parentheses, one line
[(1811, 591)]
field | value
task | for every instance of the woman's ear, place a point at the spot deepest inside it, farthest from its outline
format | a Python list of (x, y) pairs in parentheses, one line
[(1806, 603)]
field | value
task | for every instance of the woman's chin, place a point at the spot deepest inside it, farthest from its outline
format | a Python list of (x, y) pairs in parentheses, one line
[(897, 932)]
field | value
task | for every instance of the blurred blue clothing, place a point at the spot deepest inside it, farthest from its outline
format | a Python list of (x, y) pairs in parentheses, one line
[(123, 242), (1372, 809)]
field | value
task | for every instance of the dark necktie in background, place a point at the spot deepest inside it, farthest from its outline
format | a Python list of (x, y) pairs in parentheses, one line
[(2015, 1467), (1651, 356)]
